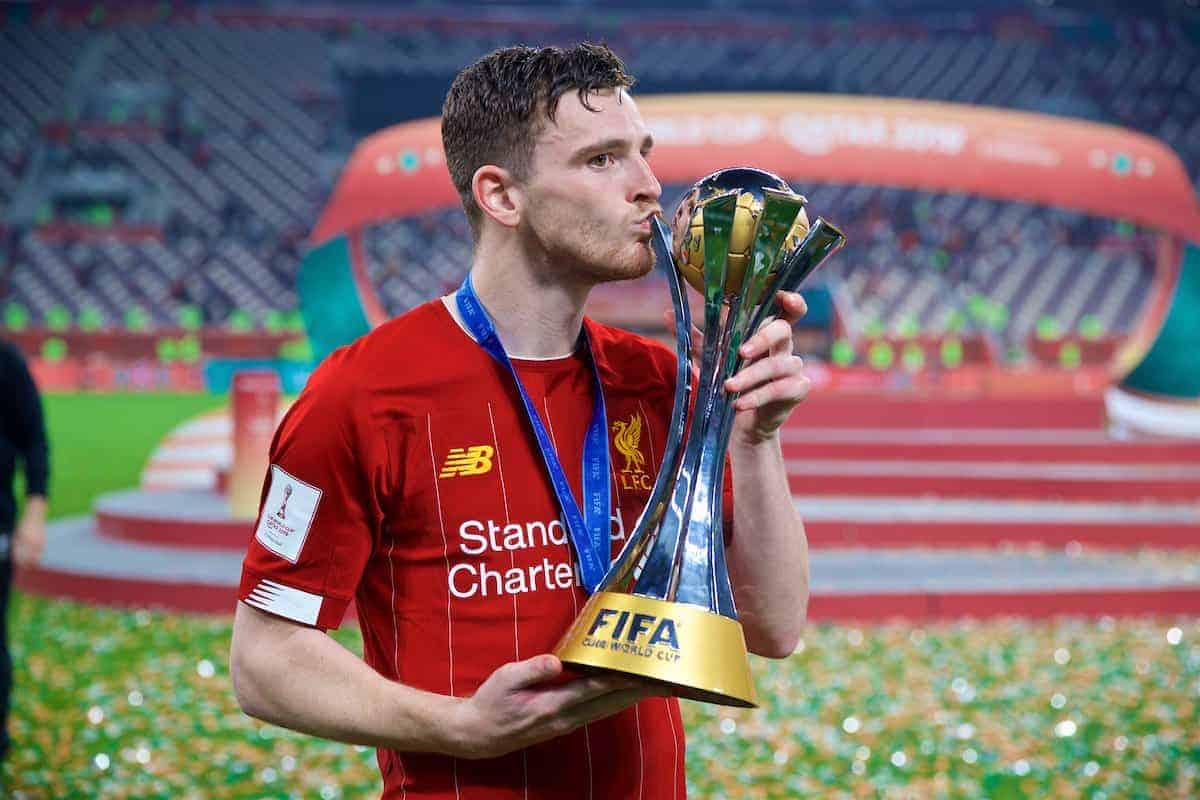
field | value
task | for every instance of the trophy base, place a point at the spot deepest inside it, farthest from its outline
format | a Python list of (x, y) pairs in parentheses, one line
[(701, 655)]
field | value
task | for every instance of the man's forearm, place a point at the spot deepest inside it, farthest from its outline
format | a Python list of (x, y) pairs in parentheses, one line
[(768, 557), (300, 678), (30, 539), (35, 507)]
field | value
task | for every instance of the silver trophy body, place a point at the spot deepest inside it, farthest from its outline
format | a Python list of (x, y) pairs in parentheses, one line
[(740, 236)]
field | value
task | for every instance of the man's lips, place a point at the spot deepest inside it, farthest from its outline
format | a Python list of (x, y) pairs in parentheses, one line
[(643, 223)]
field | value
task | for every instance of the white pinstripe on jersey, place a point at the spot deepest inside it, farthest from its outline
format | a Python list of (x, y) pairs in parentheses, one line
[(433, 466), (675, 741), (649, 436), (637, 714), (396, 655), (512, 559), (512, 562), (587, 739)]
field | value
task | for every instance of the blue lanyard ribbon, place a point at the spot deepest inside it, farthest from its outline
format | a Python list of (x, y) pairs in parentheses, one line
[(590, 537)]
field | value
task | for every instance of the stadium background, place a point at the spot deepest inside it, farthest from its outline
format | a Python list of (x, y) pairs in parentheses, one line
[(1005, 586)]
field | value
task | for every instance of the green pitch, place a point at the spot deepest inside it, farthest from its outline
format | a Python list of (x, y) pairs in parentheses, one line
[(99, 443), (137, 704)]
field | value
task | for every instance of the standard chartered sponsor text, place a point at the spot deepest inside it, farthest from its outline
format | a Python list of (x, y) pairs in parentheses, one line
[(476, 578)]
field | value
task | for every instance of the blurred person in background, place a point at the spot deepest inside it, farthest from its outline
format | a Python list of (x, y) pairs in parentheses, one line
[(23, 436), (405, 476)]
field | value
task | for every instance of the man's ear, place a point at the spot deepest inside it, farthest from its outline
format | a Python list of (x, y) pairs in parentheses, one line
[(498, 195)]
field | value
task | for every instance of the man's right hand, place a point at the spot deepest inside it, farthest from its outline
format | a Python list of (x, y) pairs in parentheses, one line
[(29, 539), (515, 708)]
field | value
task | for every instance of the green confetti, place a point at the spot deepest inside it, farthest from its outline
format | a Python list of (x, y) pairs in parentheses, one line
[(138, 704)]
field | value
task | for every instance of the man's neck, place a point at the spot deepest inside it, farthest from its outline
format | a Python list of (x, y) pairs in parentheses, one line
[(535, 317)]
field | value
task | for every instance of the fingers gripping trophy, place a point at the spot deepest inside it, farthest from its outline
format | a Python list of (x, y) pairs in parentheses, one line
[(665, 608)]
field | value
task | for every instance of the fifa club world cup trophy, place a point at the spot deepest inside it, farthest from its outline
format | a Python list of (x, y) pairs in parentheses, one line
[(664, 610)]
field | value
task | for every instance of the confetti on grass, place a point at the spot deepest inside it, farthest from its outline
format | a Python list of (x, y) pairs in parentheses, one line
[(137, 704), (1007, 709), (120, 704)]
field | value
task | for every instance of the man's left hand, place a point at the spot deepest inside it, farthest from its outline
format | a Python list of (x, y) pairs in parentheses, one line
[(771, 380)]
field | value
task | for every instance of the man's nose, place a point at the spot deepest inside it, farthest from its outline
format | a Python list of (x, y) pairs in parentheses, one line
[(646, 187)]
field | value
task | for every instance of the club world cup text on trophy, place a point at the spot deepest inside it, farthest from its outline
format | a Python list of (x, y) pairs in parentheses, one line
[(665, 609)]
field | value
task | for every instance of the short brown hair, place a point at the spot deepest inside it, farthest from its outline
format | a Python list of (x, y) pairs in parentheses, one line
[(491, 113)]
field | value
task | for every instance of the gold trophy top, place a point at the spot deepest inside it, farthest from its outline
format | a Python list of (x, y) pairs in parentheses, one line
[(753, 187)]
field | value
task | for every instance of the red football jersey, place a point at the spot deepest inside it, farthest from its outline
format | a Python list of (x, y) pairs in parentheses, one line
[(406, 477)]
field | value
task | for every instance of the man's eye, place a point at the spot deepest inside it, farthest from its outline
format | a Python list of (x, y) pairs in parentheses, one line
[(602, 160)]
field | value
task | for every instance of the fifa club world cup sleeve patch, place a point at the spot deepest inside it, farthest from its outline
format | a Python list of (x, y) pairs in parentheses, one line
[(287, 515)]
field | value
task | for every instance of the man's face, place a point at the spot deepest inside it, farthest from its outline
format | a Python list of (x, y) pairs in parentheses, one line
[(590, 193)]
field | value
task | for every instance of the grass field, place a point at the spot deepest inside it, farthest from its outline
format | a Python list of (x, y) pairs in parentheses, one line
[(137, 704), (99, 443)]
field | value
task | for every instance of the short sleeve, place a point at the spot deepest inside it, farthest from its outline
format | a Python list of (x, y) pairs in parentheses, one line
[(318, 519)]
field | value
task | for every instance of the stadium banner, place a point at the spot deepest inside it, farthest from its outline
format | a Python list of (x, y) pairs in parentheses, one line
[(1039, 158), (337, 301), (1099, 169), (219, 373), (1161, 394), (97, 373), (1171, 366)]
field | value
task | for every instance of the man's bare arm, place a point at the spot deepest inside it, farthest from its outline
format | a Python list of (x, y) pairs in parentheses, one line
[(300, 678)]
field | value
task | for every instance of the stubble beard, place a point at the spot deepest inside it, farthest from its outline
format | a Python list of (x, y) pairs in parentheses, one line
[(625, 265), (591, 256)]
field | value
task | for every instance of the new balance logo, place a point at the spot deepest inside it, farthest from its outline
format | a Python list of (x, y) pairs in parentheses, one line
[(475, 460)]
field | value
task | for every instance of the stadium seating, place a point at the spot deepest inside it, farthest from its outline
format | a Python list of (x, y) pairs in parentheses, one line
[(896, 270), (238, 124)]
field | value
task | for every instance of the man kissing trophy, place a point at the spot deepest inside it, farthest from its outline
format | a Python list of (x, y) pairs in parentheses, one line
[(665, 609)]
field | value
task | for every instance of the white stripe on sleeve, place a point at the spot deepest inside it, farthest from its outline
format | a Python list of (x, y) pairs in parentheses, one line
[(286, 601)]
